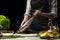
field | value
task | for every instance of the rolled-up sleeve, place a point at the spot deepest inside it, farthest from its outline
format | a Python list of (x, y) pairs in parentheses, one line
[(28, 7), (54, 8)]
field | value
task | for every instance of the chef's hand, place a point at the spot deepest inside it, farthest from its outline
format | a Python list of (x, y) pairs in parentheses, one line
[(24, 20), (37, 13)]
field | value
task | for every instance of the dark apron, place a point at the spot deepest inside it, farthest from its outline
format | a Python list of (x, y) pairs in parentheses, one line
[(39, 23)]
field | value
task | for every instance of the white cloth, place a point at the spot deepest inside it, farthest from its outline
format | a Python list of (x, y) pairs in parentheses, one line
[(53, 8)]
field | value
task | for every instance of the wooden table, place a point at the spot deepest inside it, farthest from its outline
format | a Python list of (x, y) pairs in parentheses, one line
[(27, 37)]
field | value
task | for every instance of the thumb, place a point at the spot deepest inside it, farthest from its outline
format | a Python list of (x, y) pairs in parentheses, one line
[(22, 23), (35, 13)]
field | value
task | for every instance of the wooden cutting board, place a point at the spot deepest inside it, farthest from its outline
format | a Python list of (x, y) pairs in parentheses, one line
[(26, 35), (16, 34)]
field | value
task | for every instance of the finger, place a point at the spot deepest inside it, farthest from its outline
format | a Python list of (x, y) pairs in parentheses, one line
[(22, 23), (36, 12)]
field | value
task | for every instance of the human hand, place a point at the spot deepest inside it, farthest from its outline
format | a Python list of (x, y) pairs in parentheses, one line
[(37, 13), (22, 23), (25, 19)]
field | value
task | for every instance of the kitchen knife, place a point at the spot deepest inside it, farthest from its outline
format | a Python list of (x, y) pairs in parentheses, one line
[(26, 25)]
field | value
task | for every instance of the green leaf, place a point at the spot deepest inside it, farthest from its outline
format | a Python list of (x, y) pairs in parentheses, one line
[(4, 22), (39, 34), (1, 27)]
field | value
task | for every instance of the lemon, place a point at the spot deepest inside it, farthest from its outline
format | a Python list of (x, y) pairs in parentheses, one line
[(49, 31)]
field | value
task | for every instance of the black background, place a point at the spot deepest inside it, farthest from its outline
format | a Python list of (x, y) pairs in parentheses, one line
[(15, 11)]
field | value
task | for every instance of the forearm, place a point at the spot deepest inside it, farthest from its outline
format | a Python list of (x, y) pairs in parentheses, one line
[(28, 8), (47, 15), (53, 13)]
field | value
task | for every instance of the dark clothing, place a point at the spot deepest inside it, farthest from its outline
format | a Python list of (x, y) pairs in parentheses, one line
[(39, 23)]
